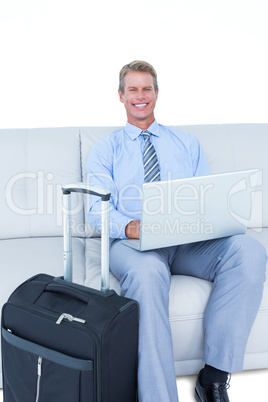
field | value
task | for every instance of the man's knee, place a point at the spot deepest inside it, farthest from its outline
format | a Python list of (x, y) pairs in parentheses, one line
[(146, 272), (249, 255)]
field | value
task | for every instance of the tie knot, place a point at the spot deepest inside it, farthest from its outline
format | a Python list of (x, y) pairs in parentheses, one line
[(146, 134)]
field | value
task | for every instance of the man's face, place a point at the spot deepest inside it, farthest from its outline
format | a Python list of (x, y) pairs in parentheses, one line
[(139, 98)]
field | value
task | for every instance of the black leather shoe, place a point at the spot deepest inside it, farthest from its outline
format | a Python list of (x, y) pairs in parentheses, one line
[(213, 393)]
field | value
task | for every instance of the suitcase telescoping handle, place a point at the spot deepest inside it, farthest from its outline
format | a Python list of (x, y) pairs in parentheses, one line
[(67, 236)]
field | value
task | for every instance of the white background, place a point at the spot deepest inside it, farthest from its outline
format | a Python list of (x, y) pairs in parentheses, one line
[(60, 59)]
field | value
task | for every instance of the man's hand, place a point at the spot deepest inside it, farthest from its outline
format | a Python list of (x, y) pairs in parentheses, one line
[(133, 230)]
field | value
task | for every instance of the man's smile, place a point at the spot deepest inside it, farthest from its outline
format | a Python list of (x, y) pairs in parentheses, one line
[(140, 105)]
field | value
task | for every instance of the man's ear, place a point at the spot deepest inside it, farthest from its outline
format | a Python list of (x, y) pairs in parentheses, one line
[(157, 92), (121, 96)]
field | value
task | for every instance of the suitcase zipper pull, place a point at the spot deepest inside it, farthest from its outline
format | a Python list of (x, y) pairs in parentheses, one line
[(69, 317), (39, 366), (39, 373)]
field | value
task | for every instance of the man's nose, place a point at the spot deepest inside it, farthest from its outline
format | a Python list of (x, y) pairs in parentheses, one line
[(140, 94)]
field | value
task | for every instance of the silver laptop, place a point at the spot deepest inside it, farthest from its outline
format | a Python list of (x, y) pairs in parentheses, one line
[(195, 209)]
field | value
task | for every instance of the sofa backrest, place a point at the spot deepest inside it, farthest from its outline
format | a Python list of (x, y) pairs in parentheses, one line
[(231, 147), (34, 165), (36, 162), (228, 147)]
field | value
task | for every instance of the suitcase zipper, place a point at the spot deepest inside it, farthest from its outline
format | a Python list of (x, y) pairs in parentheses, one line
[(39, 373), (69, 317), (51, 316)]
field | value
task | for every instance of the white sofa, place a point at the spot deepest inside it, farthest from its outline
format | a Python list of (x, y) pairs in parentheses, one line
[(34, 165)]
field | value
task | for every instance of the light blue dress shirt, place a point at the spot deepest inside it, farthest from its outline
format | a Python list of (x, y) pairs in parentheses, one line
[(116, 163)]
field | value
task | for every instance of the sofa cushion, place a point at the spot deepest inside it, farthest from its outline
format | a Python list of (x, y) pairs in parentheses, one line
[(36, 163), (25, 257), (93, 266)]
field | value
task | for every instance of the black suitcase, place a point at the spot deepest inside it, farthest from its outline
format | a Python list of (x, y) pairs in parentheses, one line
[(62, 342)]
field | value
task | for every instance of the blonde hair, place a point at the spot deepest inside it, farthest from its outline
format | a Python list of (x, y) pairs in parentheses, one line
[(137, 65)]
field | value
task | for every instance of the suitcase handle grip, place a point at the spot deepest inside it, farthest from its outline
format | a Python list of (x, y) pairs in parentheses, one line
[(60, 281), (85, 188), (51, 287), (81, 187)]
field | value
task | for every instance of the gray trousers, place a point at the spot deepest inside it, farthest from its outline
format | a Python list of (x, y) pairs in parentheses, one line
[(236, 265)]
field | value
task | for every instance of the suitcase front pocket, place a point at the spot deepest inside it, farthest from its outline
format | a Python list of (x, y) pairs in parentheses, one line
[(38, 374)]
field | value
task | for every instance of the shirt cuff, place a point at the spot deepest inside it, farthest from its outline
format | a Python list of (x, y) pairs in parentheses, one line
[(118, 227), (117, 223)]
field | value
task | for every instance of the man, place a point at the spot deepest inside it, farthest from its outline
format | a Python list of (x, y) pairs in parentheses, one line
[(235, 265)]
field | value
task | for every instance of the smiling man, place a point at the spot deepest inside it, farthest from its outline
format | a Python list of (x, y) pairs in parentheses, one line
[(138, 91), (121, 162)]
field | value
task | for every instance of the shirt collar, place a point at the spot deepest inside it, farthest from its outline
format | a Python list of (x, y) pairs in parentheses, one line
[(133, 131)]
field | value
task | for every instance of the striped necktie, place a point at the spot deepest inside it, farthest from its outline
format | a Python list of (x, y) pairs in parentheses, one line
[(150, 161)]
